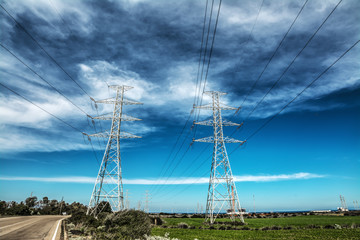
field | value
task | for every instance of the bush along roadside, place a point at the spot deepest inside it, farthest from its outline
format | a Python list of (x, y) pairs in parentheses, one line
[(127, 224)]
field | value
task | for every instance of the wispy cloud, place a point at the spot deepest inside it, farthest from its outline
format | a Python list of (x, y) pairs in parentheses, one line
[(51, 179), (171, 181)]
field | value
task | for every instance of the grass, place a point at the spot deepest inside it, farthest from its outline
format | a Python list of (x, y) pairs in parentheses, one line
[(299, 221), (328, 234), (302, 227)]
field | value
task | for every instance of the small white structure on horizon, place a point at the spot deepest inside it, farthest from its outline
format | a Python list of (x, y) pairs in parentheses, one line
[(321, 211), (342, 209)]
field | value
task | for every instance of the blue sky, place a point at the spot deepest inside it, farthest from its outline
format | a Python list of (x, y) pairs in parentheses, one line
[(303, 159)]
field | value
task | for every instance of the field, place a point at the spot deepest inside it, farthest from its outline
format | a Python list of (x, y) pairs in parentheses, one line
[(299, 227)]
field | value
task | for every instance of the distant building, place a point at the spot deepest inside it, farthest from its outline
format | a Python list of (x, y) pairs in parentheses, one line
[(342, 209), (321, 211)]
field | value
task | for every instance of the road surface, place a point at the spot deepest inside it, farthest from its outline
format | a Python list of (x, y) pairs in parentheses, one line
[(31, 227)]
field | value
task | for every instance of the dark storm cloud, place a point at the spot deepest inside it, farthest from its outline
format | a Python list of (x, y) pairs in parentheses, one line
[(154, 46)]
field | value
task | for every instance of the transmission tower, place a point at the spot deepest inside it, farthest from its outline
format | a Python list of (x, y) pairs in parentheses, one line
[(254, 203), (343, 204), (222, 194), (108, 185), (146, 209), (127, 202)]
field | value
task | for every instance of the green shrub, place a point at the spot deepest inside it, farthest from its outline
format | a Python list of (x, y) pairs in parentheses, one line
[(156, 221), (275, 228), (86, 220), (287, 227), (183, 225), (328, 226), (101, 216), (222, 227), (77, 217), (128, 224)]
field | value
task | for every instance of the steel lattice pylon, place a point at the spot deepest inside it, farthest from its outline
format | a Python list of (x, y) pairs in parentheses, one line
[(222, 194), (108, 186)]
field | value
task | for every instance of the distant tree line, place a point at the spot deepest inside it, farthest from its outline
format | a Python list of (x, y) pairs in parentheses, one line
[(34, 206)]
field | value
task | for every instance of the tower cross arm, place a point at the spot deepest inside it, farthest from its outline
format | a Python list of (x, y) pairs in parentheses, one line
[(124, 101), (124, 117), (225, 139), (117, 87), (221, 106), (123, 134), (210, 122)]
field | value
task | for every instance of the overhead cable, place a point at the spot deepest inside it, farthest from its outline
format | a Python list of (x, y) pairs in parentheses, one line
[(47, 82), (208, 65), (41, 47), (301, 92), (272, 56), (66, 123), (298, 54)]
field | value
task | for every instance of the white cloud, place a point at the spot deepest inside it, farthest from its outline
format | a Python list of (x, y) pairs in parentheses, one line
[(16, 112), (97, 74), (51, 179), (176, 93), (48, 140), (171, 181)]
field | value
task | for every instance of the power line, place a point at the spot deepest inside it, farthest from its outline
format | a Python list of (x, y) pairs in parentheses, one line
[(184, 189), (272, 56), (208, 65), (68, 124), (252, 29), (62, 19), (196, 93), (286, 104), (205, 50), (177, 164), (256, 19), (288, 67), (169, 156), (279, 43), (39, 45), (207, 69), (192, 173), (308, 86), (211, 49), (270, 59), (187, 168), (23, 28), (52, 86), (202, 163), (173, 148), (200, 57), (197, 81)]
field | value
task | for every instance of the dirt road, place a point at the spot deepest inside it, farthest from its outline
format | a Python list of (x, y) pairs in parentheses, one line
[(30, 227)]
